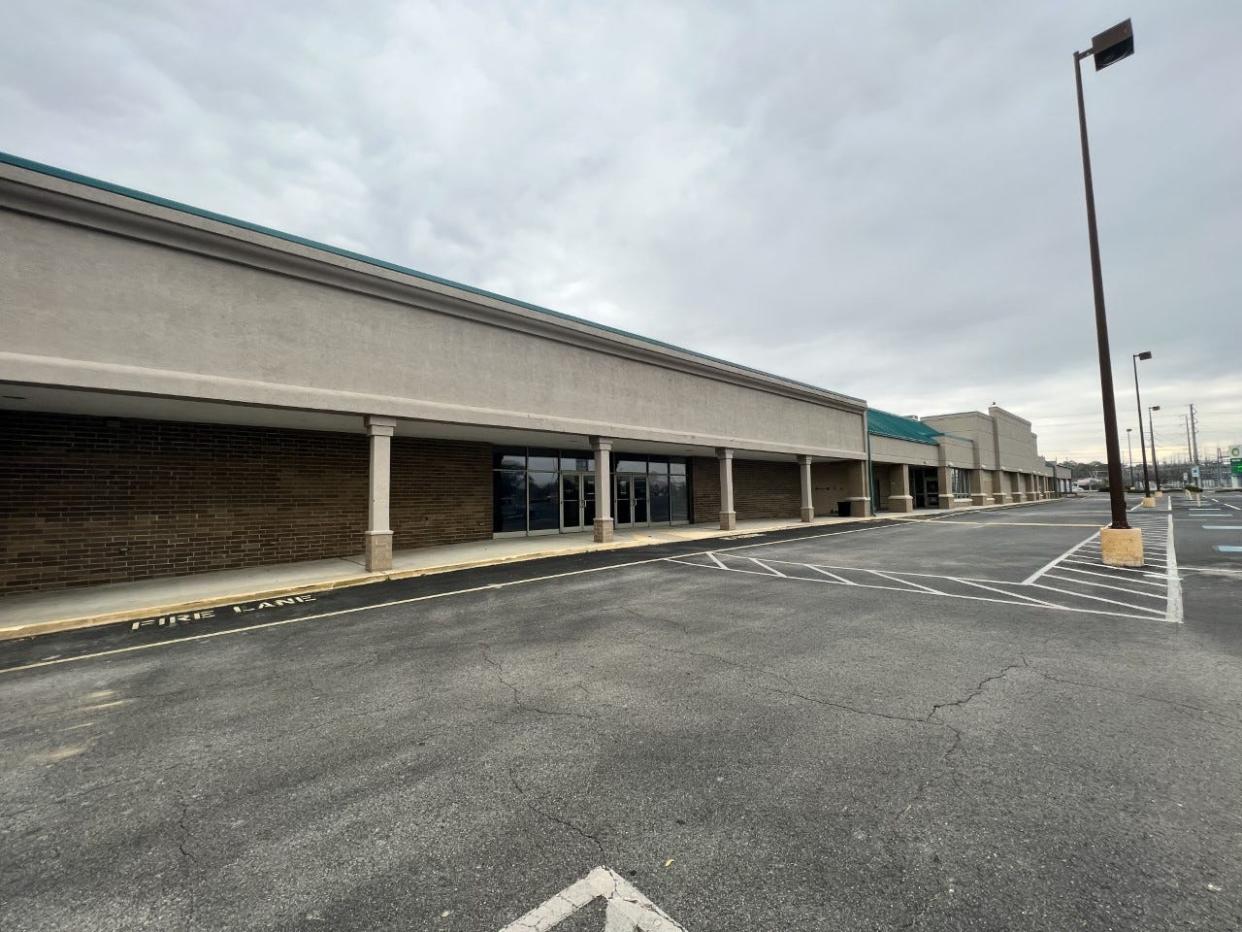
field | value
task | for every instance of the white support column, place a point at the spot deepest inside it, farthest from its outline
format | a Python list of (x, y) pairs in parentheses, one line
[(603, 489), (999, 494), (858, 489), (728, 517), (808, 503), (944, 475), (379, 534), (977, 495), (900, 499)]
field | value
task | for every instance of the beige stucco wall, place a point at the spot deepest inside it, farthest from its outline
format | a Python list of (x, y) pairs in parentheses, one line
[(888, 450), (126, 297), (970, 425), (958, 452)]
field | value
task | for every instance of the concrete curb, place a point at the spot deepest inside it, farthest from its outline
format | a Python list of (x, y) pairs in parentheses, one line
[(79, 622)]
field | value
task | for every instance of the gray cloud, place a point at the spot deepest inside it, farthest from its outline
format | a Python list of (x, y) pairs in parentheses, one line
[(884, 200)]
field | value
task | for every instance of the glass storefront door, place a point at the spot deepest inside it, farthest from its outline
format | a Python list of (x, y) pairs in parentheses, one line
[(545, 491), (632, 491), (623, 499), (577, 501)]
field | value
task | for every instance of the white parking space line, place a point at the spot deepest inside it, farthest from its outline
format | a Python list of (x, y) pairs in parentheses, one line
[(774, 572), (1096, 598), (821, 570), (1087, 582), (908, 582), (1174, 614), (1014, 600), (1222, 527), (1115, 576), (1055, 560), (1029, 598)]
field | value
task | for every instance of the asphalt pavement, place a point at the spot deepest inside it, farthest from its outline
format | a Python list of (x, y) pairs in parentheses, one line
[(874, 726)]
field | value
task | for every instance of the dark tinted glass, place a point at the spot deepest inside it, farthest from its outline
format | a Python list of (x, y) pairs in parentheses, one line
[(572, 461), (543, 459), (677, 467), (508, 501), (657, 467), (630, 464), (588, 505), (679, 498), (544, 504), (509, 457), (659, 497)]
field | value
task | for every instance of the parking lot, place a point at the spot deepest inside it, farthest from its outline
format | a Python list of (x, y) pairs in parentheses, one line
[(960, 721)]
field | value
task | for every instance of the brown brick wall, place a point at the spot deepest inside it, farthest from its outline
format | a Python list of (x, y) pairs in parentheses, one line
[(760, 489), (87, 500), (705, 489), (441, 492)]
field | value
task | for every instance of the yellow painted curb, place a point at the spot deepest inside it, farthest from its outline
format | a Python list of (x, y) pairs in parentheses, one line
[(13, 632)]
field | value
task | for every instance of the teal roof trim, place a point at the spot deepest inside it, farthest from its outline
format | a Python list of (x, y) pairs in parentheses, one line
[(896, 427), (51, 170)]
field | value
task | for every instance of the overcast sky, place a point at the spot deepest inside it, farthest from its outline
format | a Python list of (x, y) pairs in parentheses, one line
[(884, 199)]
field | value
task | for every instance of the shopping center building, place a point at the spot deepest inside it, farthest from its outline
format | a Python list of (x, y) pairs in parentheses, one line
[(182, 392)]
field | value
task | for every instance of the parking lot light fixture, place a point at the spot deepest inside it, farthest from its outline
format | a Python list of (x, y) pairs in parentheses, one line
[(1151, 432), (1121, 544), (1138, 401), (1130, 448)]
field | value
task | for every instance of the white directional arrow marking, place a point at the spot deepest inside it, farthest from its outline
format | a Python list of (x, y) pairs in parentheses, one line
[(626, 910)]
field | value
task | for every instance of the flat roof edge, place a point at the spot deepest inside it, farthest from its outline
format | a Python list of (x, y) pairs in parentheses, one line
[(52, 171)]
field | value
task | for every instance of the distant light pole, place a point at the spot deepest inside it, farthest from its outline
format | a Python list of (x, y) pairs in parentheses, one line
[(1135, 357), (1151, 432), (1109, 46), (1130, 447)]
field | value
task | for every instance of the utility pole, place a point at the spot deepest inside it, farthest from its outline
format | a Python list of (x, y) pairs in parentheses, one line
[(1190, 453)]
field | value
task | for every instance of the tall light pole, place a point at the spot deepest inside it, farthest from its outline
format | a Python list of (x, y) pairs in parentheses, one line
[(1151, 432), (1118, 549), (1135, 357), (1130, 447)]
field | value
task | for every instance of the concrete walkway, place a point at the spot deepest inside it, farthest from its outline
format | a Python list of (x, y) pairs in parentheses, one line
[(42, 612)]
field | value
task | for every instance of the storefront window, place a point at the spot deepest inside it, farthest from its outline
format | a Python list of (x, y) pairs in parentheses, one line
[(659, 493), (679, 498), (545, 460), (509, 457), (544, 500), (961, 483), (508, 501), (528, 490)]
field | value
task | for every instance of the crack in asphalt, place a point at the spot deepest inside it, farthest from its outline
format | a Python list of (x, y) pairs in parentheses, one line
[(792, 691), (572, 826), (186, 861), (517, 693), (931, 718), (1229, 722)]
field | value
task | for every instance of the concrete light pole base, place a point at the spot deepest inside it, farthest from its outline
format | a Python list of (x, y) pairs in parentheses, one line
[(1122, 546), (1149, 502), (603, 530), (808, 514), (728, 520), (1159, 493)]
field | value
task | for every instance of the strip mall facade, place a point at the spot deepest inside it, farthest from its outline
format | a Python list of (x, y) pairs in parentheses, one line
[(182, 392)]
